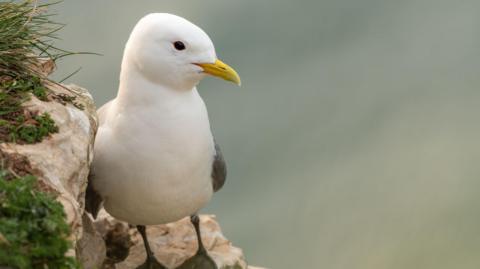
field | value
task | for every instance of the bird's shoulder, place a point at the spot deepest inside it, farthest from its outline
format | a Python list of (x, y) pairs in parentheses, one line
[(103, 111)]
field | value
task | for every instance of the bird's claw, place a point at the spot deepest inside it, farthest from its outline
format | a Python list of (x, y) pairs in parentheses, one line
[(200, 261), (151, 263)]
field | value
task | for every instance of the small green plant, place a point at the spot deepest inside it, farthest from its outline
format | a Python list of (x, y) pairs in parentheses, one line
[(30, 84), (41, 126), (29, 131), (33, 231), (17, 124)]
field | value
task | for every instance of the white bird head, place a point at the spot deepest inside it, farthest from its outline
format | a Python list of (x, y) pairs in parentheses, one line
[(171, 51)]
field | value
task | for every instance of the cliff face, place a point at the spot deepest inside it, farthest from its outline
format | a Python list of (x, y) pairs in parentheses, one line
[(61, 163)]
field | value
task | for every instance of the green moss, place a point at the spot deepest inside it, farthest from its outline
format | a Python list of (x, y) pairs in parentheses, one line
[(32, 133), (32, 84), (28, 131), (33, 231), (17, 124)]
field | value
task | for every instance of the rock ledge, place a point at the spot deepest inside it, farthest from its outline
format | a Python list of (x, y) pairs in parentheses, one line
[(172, 243)]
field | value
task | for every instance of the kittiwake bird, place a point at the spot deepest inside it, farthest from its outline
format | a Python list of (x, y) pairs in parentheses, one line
[(155, 158)]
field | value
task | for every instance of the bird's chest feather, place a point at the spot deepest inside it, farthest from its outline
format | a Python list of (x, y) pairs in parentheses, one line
[(156, 158), (175, 144)]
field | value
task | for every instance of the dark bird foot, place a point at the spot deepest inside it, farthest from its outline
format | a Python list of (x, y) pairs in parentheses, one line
[(199, 261), (152, 263)]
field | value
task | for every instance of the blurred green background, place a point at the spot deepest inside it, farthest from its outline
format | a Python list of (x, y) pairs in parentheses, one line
[(353, 142)]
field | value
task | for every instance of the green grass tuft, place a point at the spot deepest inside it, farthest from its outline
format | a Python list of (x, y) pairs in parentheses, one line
[(26, 34), (33, 230)]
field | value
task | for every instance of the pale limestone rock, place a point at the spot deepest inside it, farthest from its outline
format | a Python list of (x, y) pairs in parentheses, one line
[(175, 242), (91, 251), (62, 160)]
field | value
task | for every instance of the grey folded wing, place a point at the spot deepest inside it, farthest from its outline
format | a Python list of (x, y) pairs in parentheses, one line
[(219, 169)]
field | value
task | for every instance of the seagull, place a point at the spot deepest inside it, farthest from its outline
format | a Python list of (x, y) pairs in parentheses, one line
[(155, 158)]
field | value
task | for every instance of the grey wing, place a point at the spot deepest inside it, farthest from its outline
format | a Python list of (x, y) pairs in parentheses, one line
[(219, 169)]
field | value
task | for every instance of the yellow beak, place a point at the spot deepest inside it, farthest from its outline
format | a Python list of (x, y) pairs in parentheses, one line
[(221, 70)]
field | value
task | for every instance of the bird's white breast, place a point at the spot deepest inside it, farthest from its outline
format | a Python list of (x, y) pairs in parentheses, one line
[(153, 163)]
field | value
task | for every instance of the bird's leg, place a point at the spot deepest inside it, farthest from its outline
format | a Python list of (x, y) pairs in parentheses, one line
[(195, 220), (151, 262), (201, 258)]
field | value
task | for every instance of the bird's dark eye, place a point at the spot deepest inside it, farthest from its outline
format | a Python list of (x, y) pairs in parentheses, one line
[(179, 45)]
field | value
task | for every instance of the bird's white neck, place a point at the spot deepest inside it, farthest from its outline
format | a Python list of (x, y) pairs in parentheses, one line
[(137, 90)]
